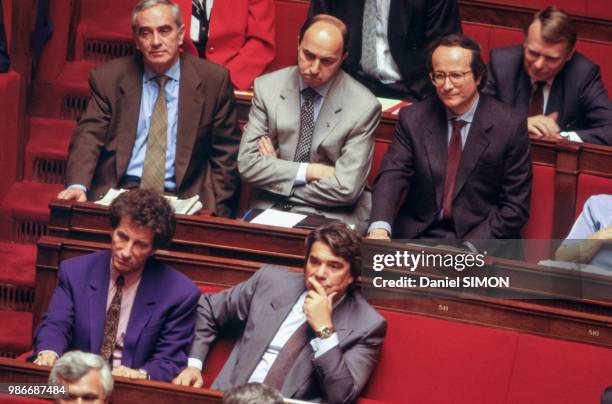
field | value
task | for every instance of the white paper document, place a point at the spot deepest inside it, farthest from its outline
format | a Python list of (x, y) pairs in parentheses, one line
[(272, 217)]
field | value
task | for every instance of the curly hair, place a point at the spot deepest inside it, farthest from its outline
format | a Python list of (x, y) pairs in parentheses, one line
[(145, 208), (343, 242)]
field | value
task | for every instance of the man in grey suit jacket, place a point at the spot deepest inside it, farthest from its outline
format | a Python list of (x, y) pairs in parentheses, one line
[(331, 179), (274, 305)]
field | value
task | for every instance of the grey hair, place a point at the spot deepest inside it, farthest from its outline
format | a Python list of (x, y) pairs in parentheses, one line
[(145, 4), (75, 364), (252, 393)]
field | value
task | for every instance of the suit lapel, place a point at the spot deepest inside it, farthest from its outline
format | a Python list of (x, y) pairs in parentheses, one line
[(329, 115), (192, 98), (98, 294), (436, 143), (477, 141), (301, 372), (130, 88), (288, 116), (522, 93), (272, 318), (142, 308)]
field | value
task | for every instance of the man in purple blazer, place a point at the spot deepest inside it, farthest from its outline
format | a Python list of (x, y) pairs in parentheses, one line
[(135, 312)]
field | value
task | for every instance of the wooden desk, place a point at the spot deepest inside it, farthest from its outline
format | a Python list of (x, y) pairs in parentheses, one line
[(125, 390), (208, 235), (202, 269), (588, 321)]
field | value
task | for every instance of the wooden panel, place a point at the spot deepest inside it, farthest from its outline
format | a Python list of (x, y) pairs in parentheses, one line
[(588, 321), (203, 234)]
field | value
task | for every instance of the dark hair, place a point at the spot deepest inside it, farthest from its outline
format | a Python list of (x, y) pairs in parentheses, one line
[(329, 19), (145, 208), (556, 26), (343, 242), (252, 393), (478, 66)]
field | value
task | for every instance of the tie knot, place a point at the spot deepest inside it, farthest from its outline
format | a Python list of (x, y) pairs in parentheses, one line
[(309, 94), (161, 81), (537, 86), (458, 124), (120, 281)]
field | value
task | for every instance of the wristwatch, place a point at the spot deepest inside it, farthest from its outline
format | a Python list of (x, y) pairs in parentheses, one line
[(144, 373), (325, 332)]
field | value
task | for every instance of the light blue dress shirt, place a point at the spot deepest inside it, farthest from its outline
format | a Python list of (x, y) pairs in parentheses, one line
[(150, 90), (596, 215)]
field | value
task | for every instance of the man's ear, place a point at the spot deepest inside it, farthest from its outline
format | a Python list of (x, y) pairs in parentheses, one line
[(344, 56)]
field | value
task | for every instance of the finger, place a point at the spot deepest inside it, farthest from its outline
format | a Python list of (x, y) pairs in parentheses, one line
[(535, 131), (317, 286), (554, 116), (198, 383)]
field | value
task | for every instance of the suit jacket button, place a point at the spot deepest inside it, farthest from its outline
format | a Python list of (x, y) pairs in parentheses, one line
[(211, 49)]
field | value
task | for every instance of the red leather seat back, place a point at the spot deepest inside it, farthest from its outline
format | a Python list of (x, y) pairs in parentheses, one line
[(548, 370), (589, 184), (421, 354)]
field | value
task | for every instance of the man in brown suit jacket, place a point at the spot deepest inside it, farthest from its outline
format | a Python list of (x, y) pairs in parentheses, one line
[(109, 146)]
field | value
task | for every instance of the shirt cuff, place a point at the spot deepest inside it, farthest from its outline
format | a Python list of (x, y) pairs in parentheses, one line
[(195, 363), (300, 177), (78, 186), (322, 345), (47, 350), (573, 136), (379, 224)]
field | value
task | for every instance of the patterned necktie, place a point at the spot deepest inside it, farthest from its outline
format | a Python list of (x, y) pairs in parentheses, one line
[(154, 170), (286, 357), (307, 124), (198, 10), (368, 37), (536, 105), (112, 322), (452, 166)]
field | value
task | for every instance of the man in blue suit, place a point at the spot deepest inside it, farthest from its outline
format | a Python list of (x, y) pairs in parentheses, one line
[(134, 311)]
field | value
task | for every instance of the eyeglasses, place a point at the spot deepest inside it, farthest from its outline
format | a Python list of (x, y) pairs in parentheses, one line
[(439, 78)]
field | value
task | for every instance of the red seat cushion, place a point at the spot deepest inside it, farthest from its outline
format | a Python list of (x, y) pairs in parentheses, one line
[(290, 15), (480, 33), (427, 360), (380, 148), (600, 53), (547, 370)]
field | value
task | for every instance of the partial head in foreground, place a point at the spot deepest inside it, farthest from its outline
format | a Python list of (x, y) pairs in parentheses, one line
[(252, 393), (86, 376)]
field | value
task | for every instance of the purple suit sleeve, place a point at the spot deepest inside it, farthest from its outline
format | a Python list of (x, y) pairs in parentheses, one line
[(170, 353), (55, 331)]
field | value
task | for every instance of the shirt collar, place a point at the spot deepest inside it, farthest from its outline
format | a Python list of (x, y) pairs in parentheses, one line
[(467, 116), (129, 279), (321, 90), (174, 72)]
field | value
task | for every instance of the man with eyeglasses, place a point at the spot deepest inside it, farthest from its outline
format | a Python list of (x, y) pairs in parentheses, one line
[(546, 79), (459, 165), (161, 120)]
